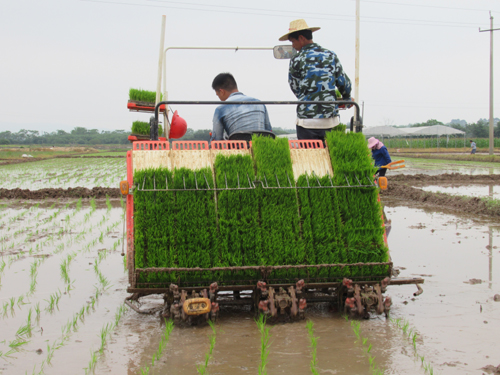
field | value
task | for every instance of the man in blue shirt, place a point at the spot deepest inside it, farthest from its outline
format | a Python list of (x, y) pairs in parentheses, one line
[(237, 117), (473, 146)]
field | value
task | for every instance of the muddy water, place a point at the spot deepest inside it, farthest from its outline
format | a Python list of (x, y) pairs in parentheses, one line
[(456, 322), (436, 167), (492, 191)]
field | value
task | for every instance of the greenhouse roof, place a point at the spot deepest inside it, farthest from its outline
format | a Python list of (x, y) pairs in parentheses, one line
[(390, 131), (386, 131), (432, 130)]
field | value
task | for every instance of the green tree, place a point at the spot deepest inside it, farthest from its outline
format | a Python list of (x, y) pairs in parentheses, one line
[(430, 122)]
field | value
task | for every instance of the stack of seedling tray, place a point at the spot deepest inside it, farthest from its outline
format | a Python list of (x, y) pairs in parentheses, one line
[(231, 208), (142, 101)]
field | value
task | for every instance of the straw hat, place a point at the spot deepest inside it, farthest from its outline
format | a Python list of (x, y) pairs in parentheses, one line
[(372, 142), (297, 25)]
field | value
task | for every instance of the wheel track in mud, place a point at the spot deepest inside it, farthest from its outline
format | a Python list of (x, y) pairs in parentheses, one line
[(399, 187), (77, 192)]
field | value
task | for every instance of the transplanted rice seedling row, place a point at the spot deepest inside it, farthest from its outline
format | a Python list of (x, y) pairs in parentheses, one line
[(48, 282), (64, 173)]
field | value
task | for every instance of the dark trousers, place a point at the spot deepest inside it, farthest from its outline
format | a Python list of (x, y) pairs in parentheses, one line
[(304, 133)]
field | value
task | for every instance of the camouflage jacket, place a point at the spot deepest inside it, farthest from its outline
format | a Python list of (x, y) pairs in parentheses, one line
[(314, 74)]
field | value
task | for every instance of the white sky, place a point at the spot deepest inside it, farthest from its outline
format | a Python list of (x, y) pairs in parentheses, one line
[(68, 63)]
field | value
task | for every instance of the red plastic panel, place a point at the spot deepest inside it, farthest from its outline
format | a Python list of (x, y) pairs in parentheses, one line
[(306, 143), (130, 238), (229, 145), (150, 145), (190, 145), (130, 170)]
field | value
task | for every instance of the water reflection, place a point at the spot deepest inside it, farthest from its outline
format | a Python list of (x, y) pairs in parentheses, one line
[(490, 247)]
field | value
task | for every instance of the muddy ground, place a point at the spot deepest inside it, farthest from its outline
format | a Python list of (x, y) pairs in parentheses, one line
[(78, 192)]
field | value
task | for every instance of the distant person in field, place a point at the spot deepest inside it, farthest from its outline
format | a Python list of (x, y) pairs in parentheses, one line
[(314, 74), (379, 154), (473, 146), (238, 117)]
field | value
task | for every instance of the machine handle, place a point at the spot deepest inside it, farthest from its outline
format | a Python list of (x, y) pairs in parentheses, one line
[(393, 165)]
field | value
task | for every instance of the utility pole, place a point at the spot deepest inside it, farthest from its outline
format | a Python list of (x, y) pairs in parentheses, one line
[(356, 62), (491, 29)]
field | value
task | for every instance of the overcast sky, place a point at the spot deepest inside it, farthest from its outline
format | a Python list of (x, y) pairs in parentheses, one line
[(68, 63)]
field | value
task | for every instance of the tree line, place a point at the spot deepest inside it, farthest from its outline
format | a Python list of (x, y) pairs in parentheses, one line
[(479, 129), (84, 136), (77, 136)]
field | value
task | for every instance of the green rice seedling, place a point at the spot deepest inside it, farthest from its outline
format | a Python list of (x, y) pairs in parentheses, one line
[(195, 237), (142, 95), (202, 369), (64, 271), (105, 331), (20, 301), (314, 343), (37, 311), (359, 207), (265, 337), (32, 286), (50, 302), (92, 362), (169, 326), (355, 327), (93, 205), (141, 127), (321, 224), (78, 205), (154, 223), (16, 345), (12, 302), (103, 281), (279, 212), (238, 212)]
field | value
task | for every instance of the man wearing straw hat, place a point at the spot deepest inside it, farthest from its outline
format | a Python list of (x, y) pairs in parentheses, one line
[(315, 73)]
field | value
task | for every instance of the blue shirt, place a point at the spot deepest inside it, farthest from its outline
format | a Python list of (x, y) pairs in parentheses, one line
[(381, 156), (239, 117), (473, 145)]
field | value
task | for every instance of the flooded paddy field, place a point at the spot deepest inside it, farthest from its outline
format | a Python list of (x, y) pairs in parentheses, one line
[(456, 318), (64, 173), (436, 167), (63, 283), (491, 190)]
